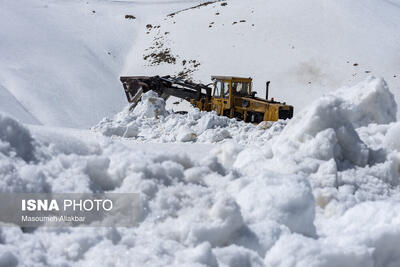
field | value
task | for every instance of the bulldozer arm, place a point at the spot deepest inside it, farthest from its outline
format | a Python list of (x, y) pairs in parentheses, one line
[(165, 87)]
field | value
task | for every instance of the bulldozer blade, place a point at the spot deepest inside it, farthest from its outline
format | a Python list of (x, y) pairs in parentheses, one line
[(136, 99), (164, 86)]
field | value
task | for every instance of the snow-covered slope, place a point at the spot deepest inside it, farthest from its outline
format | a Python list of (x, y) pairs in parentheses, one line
[(60, 60), (305, 48), (319, 190)]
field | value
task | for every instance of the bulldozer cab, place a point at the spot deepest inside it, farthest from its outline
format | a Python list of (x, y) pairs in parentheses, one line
[(225, 88)]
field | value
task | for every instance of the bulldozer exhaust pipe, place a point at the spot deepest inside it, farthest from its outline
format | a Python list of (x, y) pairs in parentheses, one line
[(267, 90)]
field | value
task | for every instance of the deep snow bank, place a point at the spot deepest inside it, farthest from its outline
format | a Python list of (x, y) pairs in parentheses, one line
[(319, 190), (344, 110), (188, 216), (345, 139), (151, 122), (344, 144), (339, 157), (327, 129)]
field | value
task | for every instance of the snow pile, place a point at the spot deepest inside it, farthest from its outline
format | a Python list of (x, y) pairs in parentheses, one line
[(354, 172), (189, 215), (150, 122), (345, 164), (370, 102), (366, 235), (151, 106), (126, 123), (319, 190), (327, 130)]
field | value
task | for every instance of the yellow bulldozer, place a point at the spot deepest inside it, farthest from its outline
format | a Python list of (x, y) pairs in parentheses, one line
[(227, 96)]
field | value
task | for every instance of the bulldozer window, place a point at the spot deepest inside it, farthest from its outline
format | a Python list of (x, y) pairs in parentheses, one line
[(218, 89), (241, 88), (226, 89)]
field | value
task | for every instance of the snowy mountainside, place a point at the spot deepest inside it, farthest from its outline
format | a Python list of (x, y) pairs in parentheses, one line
[(319, 190), (60, 60), (305, 49)]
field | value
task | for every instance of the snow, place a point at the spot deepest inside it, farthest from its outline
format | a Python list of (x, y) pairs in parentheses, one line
[(364, 103), (321, 189), (363, 236), (60, 60), (15, 139), (391, 140), (305, 50), (151, 122), (318, 190)]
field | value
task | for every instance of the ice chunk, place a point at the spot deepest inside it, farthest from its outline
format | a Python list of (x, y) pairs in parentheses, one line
[(368, 102), (132, 130), (150, 106), (210, 121), (110, 129), (185, 134), (328, 116)]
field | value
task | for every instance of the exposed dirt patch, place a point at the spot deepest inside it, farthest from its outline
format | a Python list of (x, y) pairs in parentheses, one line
[(198, 6), (241, 21), (130, 17), (160, 53), (189, 67), (161, 49), (163, 56)]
